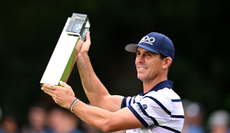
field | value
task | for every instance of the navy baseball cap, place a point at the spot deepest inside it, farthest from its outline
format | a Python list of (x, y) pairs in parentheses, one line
[(154, 42)]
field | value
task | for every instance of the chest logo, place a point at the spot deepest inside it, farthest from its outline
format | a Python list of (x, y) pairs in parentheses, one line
[(144, 106)]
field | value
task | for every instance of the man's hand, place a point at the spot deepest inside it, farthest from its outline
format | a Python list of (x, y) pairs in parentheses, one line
[(83, 47), (62, 95)]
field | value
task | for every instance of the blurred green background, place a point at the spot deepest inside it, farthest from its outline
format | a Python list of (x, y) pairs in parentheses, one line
[(199, 29)]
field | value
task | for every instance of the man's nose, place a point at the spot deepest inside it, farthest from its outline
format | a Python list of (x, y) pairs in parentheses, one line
[(140, 59)]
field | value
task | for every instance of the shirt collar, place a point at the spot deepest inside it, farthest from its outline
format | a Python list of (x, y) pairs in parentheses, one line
[(159, 86)]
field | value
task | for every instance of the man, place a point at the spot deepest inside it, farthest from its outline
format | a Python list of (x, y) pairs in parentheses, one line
[(157, 109), (37, 119)]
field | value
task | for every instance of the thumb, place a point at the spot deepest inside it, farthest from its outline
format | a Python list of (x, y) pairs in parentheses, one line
[(63, 84), (79, 45)]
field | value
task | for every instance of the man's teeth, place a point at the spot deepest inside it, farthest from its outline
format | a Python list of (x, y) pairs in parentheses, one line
[(142, 68)]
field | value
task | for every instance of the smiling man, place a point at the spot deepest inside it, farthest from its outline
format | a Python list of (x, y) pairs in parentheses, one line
[(158, 109)]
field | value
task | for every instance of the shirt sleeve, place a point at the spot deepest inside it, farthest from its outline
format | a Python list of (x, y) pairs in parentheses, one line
[(127, 101), (123, 103), (151, 111)]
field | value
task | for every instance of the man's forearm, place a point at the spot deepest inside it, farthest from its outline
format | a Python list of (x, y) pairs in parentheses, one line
[(105, 120), (94, 89), (93, 116)]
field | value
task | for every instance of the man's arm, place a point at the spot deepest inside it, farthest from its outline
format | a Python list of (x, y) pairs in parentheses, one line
[(94, 89), (105, 120), (102, 119)]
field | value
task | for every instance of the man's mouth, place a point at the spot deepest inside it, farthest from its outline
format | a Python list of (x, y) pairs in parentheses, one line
[(141, 68)]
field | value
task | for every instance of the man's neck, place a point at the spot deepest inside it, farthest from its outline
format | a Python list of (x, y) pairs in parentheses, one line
[(147, 86)]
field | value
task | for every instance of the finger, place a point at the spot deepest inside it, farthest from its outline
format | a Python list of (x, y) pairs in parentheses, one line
[(63, 84), (48, 86), (47, 91), (79, 45), (88, 39), (87, 43)]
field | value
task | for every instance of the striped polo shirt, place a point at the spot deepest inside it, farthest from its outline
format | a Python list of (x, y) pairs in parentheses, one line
[(160, 110)]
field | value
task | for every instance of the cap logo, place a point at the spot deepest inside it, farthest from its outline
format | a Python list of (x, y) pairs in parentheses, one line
[(147, 39)]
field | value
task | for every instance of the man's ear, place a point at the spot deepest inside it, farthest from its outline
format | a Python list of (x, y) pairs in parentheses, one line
[(167, 61)]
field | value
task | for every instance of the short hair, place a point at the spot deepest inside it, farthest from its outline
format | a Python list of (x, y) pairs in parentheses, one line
[(162, 56)]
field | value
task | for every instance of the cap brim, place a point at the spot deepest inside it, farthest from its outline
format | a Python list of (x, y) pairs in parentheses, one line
[(133, 48)]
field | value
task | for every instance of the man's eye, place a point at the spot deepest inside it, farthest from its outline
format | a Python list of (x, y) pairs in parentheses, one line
[(149, 54)]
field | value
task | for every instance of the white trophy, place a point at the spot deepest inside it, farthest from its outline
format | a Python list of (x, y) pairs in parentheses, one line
[(62, 60)]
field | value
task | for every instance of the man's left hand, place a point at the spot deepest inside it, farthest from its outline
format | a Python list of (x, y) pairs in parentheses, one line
[(62, 95)]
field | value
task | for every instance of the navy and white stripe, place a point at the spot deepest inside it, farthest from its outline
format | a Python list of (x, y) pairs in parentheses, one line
[(159, 110)]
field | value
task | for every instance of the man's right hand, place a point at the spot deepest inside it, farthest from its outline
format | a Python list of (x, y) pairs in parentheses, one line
[(83, 47)]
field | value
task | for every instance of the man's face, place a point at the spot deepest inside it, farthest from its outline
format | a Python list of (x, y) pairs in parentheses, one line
[(148, 65)]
